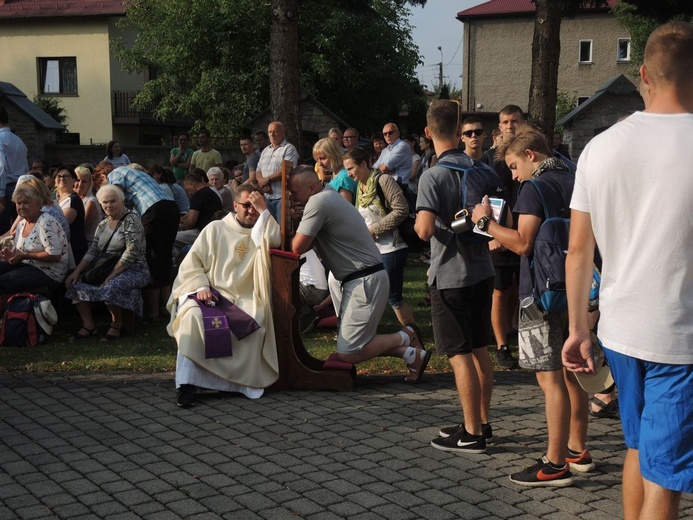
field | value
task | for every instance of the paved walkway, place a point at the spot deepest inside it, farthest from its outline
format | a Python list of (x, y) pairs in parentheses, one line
[(115, 446)]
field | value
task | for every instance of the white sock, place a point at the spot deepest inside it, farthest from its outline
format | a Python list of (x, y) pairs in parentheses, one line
[(406, 340), (423, 350), (409, 355)]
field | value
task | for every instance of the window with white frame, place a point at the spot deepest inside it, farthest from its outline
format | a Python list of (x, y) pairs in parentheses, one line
[(623, 50), (585, 51), (57, 75)]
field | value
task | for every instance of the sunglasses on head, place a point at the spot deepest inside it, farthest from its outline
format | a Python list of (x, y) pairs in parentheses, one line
[(477, 132)]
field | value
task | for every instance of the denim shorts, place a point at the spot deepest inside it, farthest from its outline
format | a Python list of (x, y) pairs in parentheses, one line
[(656, 405)]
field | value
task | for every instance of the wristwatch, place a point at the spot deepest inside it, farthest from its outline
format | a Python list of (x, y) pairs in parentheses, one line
[(483, 223)]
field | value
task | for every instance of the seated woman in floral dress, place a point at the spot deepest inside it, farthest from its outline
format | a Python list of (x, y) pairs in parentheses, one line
[(122, 287)]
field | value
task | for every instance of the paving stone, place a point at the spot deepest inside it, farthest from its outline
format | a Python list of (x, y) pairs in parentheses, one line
[(114, 447)]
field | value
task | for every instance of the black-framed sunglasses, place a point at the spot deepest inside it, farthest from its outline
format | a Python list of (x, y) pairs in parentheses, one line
[(477, 132), (390, 132), (246, 205)]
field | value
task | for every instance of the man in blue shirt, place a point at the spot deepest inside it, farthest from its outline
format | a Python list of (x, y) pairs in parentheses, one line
[(13, 164), (395, 159)]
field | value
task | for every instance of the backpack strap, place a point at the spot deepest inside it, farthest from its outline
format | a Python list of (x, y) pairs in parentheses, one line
[(541, 196), (381, 194), (564, 212)]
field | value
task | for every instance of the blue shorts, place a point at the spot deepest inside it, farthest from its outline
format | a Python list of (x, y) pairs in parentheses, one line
[(656, 405)]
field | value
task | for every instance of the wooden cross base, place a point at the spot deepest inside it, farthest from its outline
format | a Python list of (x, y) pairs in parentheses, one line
[(297, 368)]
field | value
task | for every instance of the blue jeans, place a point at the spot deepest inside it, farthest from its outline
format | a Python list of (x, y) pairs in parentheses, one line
[(275, 208), (394, 265)]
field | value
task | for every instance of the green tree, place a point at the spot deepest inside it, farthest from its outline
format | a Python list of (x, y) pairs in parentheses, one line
[(565, 102), (52, 107), (642, 17), (447, 91), (213, 57)]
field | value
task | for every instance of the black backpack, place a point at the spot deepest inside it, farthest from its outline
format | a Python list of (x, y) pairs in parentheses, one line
[(475, 182), (19, 326), (547, 263), (406, 228)]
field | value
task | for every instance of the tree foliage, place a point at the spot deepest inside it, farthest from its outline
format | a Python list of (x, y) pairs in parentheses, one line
[(565, 103), (212, 57), (642, 17), (52, 107), (661, 11)]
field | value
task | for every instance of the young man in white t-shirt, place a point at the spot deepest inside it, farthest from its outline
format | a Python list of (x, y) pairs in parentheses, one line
[(635, 205)]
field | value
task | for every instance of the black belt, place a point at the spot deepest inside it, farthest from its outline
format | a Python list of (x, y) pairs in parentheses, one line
[(363, 272)]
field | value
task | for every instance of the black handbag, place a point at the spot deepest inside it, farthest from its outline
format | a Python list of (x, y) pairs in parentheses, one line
[(100, 267)]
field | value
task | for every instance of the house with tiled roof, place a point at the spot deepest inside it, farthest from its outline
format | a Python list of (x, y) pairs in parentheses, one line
[(497, 59), (64, 49)]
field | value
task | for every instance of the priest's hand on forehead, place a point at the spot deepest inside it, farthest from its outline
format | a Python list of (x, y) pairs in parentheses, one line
[(258, 201)]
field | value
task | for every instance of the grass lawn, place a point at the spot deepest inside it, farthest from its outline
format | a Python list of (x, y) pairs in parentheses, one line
[(150, 349)]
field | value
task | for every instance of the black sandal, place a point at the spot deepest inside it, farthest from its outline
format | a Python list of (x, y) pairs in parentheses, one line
[(609, 409), (89, 333), (113, 337)]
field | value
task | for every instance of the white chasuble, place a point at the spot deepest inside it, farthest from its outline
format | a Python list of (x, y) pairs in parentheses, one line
[(236, 262)]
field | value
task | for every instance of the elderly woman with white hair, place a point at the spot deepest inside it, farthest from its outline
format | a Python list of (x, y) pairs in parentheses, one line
[(118, 241), (215, 177), (38, 258)]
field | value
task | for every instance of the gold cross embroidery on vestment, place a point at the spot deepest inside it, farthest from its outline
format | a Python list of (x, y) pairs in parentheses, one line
[(242, 249)]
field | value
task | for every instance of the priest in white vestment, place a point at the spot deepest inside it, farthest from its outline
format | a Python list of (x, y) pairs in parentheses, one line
[(232, 256)]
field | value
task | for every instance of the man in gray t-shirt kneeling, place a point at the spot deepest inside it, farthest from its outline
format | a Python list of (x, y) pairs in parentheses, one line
[(334, 227)]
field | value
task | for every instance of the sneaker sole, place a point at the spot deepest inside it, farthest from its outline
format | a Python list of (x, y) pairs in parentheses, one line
[(473, 451), (444, 435), (582, 468), (565, 482)]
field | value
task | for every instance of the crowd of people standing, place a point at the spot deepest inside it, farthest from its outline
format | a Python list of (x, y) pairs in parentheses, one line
[(347, 208)]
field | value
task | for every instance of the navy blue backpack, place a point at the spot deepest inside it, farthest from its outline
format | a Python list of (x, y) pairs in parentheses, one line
[(547, 263), (484, 181)]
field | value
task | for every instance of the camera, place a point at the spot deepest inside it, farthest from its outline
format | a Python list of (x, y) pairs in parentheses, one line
[(462, 222)]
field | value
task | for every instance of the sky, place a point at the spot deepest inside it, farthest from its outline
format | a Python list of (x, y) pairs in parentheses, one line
[(435, 26)]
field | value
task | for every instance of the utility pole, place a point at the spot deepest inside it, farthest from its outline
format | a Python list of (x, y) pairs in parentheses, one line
[(440, 69)]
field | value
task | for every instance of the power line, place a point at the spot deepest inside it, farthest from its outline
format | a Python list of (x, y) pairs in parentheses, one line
[(458, 48)]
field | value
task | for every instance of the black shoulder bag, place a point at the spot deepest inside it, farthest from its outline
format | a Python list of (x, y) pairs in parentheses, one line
[(101, 266)]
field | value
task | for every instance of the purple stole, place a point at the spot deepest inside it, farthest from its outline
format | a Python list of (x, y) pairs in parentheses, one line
[(219, 320)]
